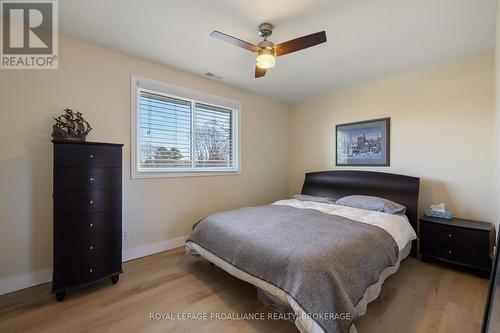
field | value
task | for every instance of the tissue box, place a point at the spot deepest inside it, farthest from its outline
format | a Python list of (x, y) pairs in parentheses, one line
[(443, 215)]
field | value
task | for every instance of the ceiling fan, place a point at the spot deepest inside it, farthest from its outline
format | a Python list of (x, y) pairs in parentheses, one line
[(267, 51)]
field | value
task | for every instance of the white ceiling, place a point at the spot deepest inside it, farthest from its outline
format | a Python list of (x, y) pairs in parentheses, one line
[(367, 39)]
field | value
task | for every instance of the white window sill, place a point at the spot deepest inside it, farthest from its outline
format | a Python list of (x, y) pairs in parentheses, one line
[(183, 174)]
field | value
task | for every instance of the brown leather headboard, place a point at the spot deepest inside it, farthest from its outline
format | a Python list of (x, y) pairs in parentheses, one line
[(340, 183)]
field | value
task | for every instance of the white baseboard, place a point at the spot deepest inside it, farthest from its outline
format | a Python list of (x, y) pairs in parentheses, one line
[(146, 250), (19, 282)]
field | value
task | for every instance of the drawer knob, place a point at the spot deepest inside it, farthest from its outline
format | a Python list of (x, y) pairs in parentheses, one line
[(91, 225), (91, 179), (91, 202), (91, 270), (449, 235), (91, 247), (449, 252), (91, 156)]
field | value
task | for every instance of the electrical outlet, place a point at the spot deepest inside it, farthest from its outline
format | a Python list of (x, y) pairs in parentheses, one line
[(125, 234)]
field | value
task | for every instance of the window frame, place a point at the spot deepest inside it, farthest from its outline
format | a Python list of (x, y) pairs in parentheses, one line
[(138, 84)]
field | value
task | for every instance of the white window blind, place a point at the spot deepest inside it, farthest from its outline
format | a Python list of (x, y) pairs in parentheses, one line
[(183, 135), (213, 136), (165, 131)]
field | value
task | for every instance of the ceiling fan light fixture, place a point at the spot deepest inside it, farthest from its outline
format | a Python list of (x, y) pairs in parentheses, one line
[(267, 51), (266, 58)]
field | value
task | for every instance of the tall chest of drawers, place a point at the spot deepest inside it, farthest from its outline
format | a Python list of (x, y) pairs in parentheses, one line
[(87, 214)]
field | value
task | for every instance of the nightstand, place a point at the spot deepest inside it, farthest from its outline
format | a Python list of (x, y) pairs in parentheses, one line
[(458, 241)]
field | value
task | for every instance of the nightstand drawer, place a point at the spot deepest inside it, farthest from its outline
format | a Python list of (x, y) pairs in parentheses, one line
[(449, 234), (453, 251)]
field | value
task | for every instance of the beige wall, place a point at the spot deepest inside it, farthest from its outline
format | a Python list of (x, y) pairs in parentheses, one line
[(442, 130), (497, 117), (96, 81), (442, 122)]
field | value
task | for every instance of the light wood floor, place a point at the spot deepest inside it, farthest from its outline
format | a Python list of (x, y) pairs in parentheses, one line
[(420, 297)]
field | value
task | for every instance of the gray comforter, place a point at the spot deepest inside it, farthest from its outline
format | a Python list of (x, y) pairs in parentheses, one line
[(324, 262)]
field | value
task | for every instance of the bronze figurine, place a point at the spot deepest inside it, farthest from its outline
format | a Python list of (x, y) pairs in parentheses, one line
[(70, 127)]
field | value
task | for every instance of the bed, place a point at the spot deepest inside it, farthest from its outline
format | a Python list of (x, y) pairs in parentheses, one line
[(321, 262)]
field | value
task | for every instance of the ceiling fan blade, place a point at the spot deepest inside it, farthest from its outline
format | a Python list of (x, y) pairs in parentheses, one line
[(235, 41), (300, 43), (259, 72)]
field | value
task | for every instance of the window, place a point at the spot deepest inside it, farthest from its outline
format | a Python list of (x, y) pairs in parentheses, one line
[(182, 132)]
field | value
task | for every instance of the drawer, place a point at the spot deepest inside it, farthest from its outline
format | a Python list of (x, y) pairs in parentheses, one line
[(77, 249), (457, 253), (76, 203), (454, 234), (87, 156), (86, 271), (74, 226), (86, 179)]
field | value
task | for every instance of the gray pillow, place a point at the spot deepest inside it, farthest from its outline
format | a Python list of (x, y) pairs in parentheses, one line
[(303, 197), (372, 203)]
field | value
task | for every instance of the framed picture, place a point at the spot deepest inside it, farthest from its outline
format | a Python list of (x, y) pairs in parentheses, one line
[(363, 143)]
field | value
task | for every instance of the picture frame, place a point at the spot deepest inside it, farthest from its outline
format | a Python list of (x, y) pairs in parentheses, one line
[(363, 143)]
